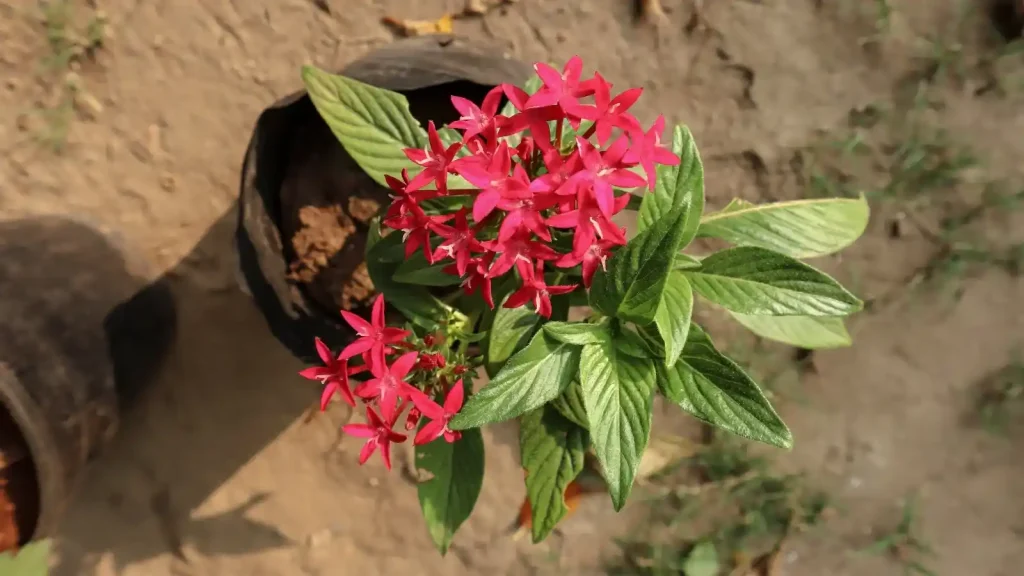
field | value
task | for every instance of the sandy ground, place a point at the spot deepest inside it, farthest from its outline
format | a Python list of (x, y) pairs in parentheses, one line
[(218, 473)]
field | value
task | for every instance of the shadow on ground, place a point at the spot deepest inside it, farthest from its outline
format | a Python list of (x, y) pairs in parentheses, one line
[(226, 390)]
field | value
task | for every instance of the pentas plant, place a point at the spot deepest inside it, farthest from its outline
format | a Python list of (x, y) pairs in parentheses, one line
[(505, 219)]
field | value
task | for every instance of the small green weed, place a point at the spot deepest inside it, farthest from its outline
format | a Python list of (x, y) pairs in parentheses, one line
[(67, 46), (1001, 397), (737, 516), (903, 544)]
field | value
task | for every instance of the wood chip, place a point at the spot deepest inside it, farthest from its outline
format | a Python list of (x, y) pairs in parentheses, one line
[(475, 8), (442, 25)]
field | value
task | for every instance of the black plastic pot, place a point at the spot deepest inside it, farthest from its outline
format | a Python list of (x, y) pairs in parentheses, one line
[(292, 148), (1007, 17), (78, 341)]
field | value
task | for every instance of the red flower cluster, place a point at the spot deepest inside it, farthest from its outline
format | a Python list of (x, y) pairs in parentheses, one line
[(529, 190), (388, 391)]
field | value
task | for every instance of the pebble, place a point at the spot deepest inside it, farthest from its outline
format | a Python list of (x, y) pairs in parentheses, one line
[(87, 105), (139, 151), (319, 538), (154, 142), (167, 182)]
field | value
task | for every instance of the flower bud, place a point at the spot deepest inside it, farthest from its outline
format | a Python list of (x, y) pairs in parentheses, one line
[(413, 419)]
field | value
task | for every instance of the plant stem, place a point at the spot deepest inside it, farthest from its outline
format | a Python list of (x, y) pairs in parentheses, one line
[(590, 131)]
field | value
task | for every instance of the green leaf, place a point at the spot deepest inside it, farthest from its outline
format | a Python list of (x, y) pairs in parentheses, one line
[(511, 330), (710, 386), (532, 377), (677, 186), (686, 262), (416, 270), (373, 124), (445, 205), (386, 249), (814, 333), (631, 343), (617, 394), (673, 316), (752, 280), (579, 333), (702, 560), (570, 405), (631, 288), (456, 474), (416, 304), (449, 136), (32, 560), (552, 453), (801, 229)]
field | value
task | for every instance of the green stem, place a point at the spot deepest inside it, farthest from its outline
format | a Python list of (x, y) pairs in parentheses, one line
[(589, 132), (474, 317)]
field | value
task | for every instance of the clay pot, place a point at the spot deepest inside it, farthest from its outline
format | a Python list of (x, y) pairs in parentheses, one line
[(78, 341), (294, 160)]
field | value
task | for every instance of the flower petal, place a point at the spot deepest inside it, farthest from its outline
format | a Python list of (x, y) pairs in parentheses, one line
[(323, 352), (378, 312), (465, 107), (484, 204), (359, 430), (492, 101), (367, 450), (356, 348), (362, 327), (429, 432), (400, 369), (453, 402), (520, 297), (314, 373), (424, 404), (385, 453)]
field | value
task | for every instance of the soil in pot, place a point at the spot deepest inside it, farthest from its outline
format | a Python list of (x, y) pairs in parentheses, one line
[(327, 203), (19, 491)]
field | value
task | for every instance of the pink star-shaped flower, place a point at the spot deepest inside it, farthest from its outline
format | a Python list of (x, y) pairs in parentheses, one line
[(495, 183), (590, 222), (459, 244), (333, 375), (561, 88), (477, 278), (374, 337), (435, 161), (609, 113), (605, 170), (378, 434), (388, 384), (559, 173), (404, 200), (416, 227), (647, 151), (439, 415), (593, 258), (520, 247), (478, 119), (536, 290)]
